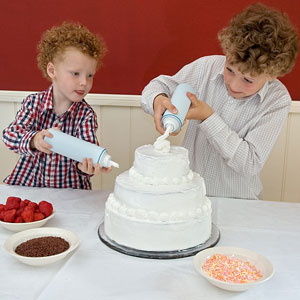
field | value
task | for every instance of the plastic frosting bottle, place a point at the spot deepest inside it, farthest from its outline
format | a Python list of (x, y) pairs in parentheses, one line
[(77, 149), (173, 122)]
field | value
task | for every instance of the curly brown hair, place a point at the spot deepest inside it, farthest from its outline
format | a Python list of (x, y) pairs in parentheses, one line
[(55, 41), (260, 40)]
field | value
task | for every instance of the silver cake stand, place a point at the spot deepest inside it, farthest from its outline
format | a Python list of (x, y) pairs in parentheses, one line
[(212, 241)]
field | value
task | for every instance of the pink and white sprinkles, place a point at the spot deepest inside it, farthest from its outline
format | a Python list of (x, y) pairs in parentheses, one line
[(230, 269)]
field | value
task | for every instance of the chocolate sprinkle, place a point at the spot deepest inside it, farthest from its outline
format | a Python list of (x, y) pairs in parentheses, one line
[(42, 246)]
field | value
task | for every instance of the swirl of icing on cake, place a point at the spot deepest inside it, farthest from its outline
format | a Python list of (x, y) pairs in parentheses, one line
[(160, 181), (162, 145), (153, 216)]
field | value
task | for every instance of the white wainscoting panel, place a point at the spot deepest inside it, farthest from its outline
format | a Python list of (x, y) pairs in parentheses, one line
[(291, 187)]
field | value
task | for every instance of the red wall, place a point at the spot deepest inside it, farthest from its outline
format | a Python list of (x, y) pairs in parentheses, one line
[(144, 38)]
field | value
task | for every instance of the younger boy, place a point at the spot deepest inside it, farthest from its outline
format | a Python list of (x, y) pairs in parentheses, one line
[(239, 107), (69, 56)]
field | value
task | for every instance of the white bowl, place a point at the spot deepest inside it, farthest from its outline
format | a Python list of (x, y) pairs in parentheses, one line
[(16, 227), (16, 239), (260, 262)]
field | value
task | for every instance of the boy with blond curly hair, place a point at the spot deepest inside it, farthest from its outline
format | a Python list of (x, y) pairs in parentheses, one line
[(69, 56), (239, 107)]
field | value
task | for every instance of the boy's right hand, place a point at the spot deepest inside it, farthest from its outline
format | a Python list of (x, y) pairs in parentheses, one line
[(160, 104), (38, 143)]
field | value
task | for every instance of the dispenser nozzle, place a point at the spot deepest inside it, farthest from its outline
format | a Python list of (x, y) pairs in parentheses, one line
[(114, 164)]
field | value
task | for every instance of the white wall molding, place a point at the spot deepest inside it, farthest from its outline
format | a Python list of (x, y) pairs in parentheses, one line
[(295, 107), (101, 99), (92, 99)]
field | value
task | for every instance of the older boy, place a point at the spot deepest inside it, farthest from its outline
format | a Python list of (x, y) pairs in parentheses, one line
[(239, 107), (69, 56)]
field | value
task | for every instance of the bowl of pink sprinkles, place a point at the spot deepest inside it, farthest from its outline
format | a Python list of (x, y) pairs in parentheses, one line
[(233, 269)]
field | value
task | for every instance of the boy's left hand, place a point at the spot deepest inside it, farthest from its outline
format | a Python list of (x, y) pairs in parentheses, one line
[(199, 110), (87, 167)]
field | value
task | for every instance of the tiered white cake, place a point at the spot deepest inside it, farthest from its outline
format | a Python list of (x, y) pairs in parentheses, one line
[(159, 204)]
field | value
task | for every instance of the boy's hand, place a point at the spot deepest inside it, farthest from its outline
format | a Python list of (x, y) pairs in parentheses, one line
[(199, 110), (38, 143), (87, 167), (160, 105)]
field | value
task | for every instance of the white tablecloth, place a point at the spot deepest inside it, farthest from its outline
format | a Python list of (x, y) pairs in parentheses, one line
[(95, 271)]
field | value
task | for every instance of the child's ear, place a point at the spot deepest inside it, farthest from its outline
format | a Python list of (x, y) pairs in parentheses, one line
[(51, 70)]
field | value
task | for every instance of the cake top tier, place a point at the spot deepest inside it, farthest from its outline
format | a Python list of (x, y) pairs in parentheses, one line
[(152, 163)]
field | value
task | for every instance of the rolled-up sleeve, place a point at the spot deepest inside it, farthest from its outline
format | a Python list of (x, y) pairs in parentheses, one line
[(18, 134)]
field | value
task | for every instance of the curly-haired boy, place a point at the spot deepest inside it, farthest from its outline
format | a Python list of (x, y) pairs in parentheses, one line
[(69, 56), (239, 107)]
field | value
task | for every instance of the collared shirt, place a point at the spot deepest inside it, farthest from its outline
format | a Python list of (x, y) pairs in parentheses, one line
[(229, 148), (38, 169)]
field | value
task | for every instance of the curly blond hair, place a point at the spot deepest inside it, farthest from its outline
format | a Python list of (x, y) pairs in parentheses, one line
[(260, 40), (55, 41)]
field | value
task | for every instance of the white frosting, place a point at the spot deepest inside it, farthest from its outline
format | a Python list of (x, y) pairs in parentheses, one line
[(156, 236), (159, 204), (139, 178), (162, 145), (151, 163), (153, 216), (160, 198)]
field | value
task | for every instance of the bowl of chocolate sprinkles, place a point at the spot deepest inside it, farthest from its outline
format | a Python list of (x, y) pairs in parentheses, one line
[(41, 246)]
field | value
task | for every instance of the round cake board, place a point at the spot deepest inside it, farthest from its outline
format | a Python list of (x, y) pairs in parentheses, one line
[(212, 241)]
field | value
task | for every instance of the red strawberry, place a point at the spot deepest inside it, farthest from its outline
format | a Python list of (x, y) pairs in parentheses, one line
[(33, 205), (12, 202), (2, 207), (9, 215), (19, 219), (26, 201), (46, 208), (38, 216), (19, 212), (29, 207), (27, 215), (22, 204), (2, 215)]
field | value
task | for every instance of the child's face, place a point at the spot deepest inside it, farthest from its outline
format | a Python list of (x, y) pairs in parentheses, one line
[(241, 85), (72, 75)]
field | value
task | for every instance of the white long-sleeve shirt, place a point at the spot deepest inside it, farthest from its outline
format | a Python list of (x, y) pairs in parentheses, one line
[(229, 148)]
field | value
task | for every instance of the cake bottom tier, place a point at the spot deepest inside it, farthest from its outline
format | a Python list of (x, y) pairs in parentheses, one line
[(156, 235)]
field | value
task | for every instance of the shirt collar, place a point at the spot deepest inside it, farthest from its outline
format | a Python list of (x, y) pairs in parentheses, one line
[(48, 102), (74, 108), (262, 92), (219, 72)]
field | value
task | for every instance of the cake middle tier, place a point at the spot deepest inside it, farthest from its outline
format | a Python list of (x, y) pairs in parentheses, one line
[(159, 198)]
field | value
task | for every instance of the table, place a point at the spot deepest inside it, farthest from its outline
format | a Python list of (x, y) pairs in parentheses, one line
[(95, 271)]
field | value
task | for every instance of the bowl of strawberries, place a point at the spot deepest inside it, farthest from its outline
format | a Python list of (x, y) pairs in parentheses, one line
[(17, 214)]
